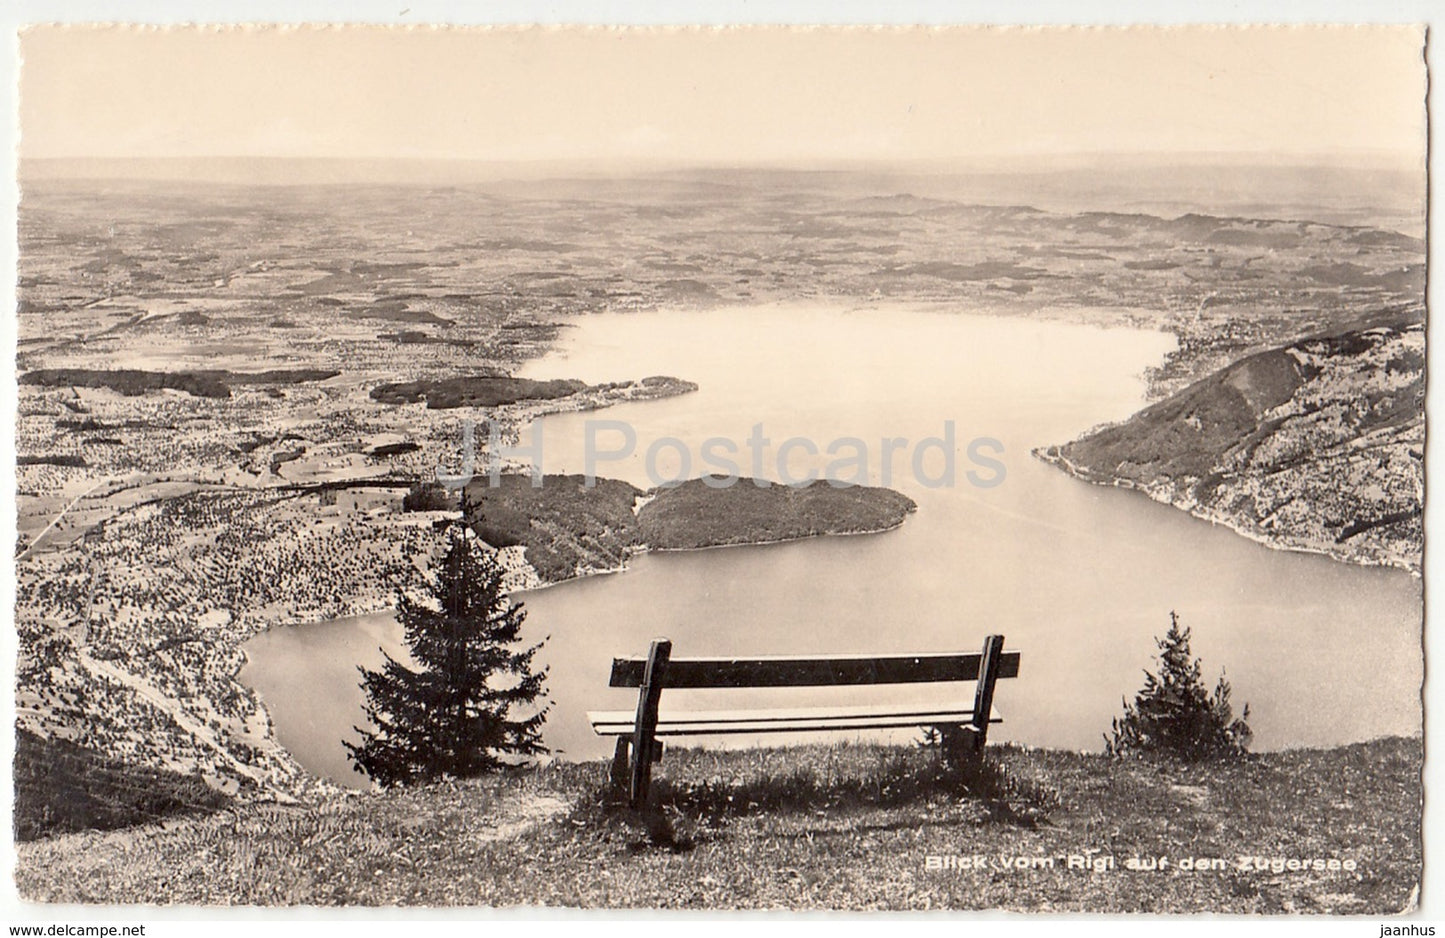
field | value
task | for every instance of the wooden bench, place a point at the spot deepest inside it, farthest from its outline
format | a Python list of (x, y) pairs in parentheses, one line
[(638, 730)]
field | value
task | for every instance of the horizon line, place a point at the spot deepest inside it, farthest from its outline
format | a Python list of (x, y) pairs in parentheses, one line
[(340, 170)]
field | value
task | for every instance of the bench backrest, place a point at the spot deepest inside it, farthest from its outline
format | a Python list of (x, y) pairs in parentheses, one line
[(659, 669), (821, 671)]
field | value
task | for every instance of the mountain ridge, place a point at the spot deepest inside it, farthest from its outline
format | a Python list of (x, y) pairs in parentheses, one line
[(1314, 445)]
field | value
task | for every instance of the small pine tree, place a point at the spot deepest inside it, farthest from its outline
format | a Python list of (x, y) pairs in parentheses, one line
[(452, 715), (1174, 713)]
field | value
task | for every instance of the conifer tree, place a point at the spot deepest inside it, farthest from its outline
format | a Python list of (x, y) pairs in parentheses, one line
[(1174, 713), (452, 713)]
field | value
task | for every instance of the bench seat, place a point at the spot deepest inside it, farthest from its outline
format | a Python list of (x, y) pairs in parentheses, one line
[(797, 720)]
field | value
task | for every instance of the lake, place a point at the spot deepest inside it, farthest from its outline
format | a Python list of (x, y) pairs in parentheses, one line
[(1079, 578)]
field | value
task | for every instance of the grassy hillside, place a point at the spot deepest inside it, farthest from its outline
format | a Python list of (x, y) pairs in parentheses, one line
[(61, 787), (840, 827), (1317, 445)]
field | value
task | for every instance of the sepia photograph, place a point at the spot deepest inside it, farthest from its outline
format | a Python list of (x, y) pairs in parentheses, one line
[(957, 468)]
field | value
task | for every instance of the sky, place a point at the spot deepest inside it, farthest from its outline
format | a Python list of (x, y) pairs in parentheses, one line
[(736, 96)]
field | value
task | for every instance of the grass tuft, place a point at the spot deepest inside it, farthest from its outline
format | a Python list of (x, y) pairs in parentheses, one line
[(849, 780)]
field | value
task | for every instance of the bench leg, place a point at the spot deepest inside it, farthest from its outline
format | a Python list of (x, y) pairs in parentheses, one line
[(620, 766), (983, 695), (960, 744), (644, 737), (963, 744)]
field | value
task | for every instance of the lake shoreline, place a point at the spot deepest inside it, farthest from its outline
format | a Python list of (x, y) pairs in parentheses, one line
[(644, 551), (955, 555), (781, 540), (1271, 541)]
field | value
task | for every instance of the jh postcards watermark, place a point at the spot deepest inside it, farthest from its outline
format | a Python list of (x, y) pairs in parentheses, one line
[(722, 461)]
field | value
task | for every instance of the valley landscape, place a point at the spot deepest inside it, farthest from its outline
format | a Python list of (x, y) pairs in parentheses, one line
[(226, 390), (577, 467)]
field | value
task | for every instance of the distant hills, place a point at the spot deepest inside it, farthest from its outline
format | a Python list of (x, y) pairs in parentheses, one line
[(1384, 188), (1315, 445)]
